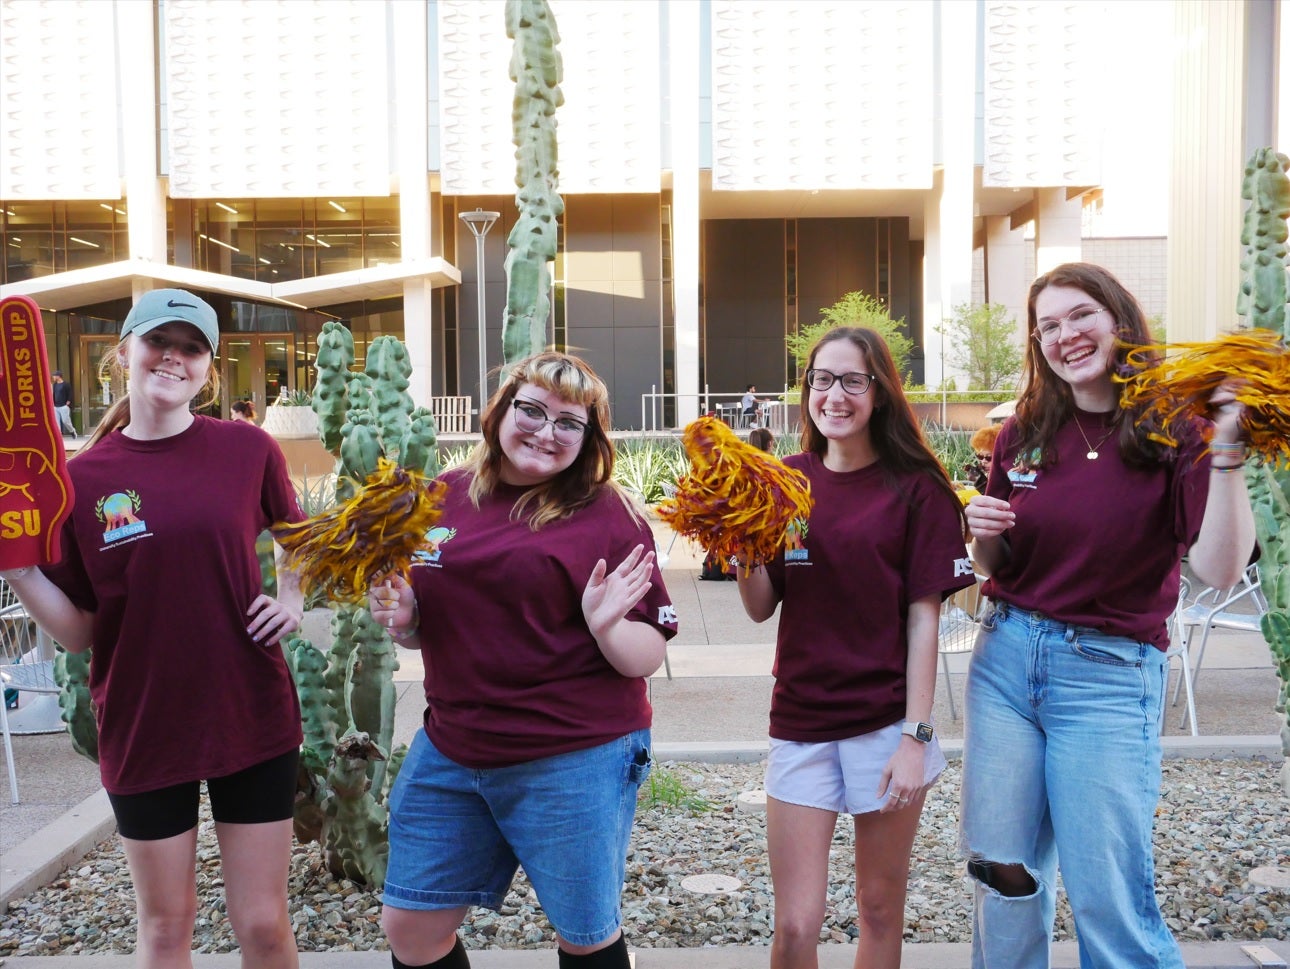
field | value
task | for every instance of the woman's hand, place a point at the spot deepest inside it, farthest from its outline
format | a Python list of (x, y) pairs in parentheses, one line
[(1226, 413), (392, 603), (271, 620), (902, 783), (609, 596), (989, 517)]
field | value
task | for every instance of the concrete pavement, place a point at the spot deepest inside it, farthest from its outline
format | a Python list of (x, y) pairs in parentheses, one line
[(713, 707)]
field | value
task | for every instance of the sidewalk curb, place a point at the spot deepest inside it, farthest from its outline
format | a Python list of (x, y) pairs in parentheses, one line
[(36, 861)]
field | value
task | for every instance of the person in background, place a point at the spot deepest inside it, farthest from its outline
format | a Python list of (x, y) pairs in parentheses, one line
[(1081, 530), (859, 587), (242, 410), (761, 437), (188, 682), (982, 443), (748, 406), (63, 402), (536, 734)]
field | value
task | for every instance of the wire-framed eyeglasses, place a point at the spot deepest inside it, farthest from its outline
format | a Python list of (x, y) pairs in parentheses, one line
[(529, 418), (1081, 320), (852, 383)]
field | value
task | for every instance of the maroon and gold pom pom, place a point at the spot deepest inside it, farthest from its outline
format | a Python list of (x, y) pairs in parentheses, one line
[(1180, 386), (341, 551), (737, 500)]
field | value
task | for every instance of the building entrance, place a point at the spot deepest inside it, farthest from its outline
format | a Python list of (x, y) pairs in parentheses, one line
[(256, 367)]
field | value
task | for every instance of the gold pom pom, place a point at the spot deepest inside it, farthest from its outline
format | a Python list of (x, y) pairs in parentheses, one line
[(376, 532), (737, 500), (1180, 386)]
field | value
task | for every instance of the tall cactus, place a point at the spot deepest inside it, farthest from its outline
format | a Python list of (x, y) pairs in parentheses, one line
[(1265, 302), (537, 71), (347, 696)]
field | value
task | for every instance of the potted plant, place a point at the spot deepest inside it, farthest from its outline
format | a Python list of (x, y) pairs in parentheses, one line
[(291, 416)]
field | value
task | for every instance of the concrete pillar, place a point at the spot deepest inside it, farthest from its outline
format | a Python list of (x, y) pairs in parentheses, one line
[(683, 79), (1058, 229), (145, 195), (1005, 268), (412, 164), (947, 267)]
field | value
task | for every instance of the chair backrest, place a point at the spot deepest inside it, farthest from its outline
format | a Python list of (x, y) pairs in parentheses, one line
[(960, 617), (17, 631), (1249, 589)]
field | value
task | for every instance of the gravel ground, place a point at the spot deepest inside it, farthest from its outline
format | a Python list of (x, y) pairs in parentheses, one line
[(1217, 821)]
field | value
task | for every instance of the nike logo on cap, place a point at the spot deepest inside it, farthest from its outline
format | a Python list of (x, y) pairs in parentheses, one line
[(189, 305)]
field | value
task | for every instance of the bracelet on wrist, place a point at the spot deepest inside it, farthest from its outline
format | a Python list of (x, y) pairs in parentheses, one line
[(1226, 468), (410, 629)]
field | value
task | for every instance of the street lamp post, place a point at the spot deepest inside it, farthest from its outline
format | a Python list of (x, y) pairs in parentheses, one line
[(479, 222)]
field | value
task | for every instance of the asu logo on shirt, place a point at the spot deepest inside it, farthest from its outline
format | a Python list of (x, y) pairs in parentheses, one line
[(120, 514)]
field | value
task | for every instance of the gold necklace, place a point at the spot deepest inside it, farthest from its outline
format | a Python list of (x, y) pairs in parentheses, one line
[(1092, 448)]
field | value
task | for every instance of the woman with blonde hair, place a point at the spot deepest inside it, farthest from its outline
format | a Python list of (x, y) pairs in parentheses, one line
[(536, 734), (159, 573)]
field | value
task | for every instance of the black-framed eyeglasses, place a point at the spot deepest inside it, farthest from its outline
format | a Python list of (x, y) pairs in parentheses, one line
[(852, 383), (1081, 320), (985, 458), (529, 418)]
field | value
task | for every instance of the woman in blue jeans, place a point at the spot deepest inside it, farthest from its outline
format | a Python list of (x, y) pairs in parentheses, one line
[(1082, 529), (539, 612)]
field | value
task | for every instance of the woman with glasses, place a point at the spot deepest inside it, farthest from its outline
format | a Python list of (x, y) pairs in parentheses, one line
[(1081, 529), (539, 614), (860, 586), (982, 444)]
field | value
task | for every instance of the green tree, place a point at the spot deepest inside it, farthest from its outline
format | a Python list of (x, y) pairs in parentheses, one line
[(854, 309), (983, 345)]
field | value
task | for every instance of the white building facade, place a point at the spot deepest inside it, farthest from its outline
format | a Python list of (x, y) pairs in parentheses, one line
[(729, 168)]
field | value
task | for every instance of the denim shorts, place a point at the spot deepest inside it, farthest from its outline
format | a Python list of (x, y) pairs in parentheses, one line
[(458, 835), (840, 775)]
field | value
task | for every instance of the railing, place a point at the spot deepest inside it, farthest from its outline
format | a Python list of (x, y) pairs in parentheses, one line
[(659, 412), (451, 414)]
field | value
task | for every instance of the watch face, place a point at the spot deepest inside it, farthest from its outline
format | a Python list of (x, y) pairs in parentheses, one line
[(923, 732)]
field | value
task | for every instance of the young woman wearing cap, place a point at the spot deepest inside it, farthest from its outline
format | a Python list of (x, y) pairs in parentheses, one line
[(859, 589), (1081, 529), (159, 573), (536, 733)]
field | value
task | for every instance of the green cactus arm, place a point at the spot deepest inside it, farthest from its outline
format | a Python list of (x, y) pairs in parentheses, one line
[(389, 367), (1264, 292), (419, 450), (537, 70), (360, 449), (331, 364), (72, 674)]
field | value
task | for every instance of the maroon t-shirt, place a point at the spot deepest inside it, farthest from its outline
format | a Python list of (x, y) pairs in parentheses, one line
[(161, 546), (1097, 543), (846, 580), (513, 674)]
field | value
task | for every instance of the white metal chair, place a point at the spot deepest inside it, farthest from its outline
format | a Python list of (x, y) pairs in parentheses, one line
[(26, 665), (1240, 607), (960, 620), (1178, 650)]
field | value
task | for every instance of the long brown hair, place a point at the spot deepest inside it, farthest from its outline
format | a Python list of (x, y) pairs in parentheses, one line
[(117, 416), (894, 430), (1046, 402), (572, 380)]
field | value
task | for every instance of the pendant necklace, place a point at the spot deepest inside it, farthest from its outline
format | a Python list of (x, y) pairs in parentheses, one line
[(1092, 448)]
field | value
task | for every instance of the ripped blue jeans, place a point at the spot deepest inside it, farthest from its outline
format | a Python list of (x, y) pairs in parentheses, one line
[(1062, 763)]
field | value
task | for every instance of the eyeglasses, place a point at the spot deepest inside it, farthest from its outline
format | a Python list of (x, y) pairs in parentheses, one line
[(985, 458), (529, 418), (1081, 320), (852, 383)]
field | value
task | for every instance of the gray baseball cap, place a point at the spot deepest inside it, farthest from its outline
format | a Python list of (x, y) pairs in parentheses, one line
[(172, 306)]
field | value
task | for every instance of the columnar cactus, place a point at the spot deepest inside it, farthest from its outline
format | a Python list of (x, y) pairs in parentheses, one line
[(536, 70), (1265, 302), (347, 695)]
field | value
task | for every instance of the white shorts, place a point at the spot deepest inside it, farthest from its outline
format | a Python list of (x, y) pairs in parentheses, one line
[(840, 775)]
